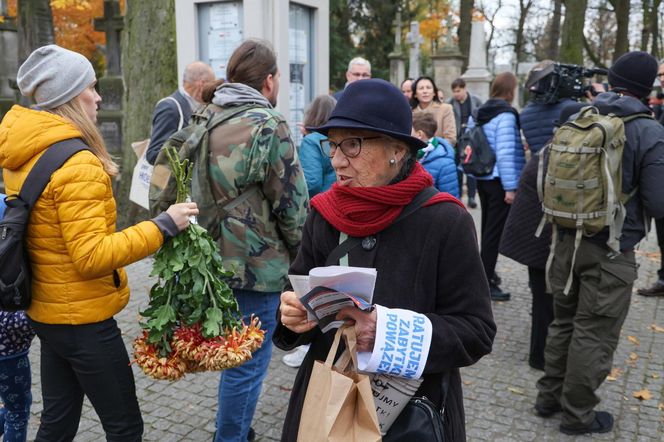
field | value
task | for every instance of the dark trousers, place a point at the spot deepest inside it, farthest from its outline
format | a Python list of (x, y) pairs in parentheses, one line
[(494, 215), (470, 182), (584, 333), (542, 315), (88, 360), (659, 226)]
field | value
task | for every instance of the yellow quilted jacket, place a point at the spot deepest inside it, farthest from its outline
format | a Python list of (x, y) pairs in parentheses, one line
[(77, 256)]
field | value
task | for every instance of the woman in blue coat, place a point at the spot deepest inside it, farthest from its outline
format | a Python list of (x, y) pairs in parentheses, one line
[(500, 122), (315, 164), (438, 157)]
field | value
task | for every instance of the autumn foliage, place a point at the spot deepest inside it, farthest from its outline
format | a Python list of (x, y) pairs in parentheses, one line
[(73, 25)]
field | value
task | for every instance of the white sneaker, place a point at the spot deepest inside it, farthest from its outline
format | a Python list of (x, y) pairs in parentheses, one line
[(294, 359)]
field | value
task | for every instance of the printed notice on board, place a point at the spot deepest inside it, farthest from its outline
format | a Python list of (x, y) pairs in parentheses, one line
[(403, 338)]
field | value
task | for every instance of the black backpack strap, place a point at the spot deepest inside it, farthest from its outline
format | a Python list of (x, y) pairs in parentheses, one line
[(349, 244), (54, 157)]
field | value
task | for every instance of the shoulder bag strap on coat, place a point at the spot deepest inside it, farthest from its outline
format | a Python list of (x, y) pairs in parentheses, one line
[(349, 244), (177, 103), (39, 176)]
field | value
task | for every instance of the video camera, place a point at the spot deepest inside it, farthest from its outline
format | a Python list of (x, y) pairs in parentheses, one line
[(554, 81)]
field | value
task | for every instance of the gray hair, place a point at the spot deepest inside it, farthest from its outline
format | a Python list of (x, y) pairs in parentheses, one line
[(197, 71), (359, 61)]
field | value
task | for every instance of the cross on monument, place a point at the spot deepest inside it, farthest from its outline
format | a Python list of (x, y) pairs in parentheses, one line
[(111, 24), (397, 33), (414, 40)]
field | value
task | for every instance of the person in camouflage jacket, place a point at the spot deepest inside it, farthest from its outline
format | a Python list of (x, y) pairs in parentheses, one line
[(252, 156)]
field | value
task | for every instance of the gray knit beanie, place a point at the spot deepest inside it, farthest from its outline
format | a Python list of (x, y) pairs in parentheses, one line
[(53, 76)]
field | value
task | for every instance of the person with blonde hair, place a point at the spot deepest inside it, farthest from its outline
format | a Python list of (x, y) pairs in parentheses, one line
[(78, 281)]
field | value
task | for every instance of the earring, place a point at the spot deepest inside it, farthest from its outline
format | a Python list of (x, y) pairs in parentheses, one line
[(393, 162)]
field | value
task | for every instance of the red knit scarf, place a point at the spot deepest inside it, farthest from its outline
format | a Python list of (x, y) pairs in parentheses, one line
[(363, 211)]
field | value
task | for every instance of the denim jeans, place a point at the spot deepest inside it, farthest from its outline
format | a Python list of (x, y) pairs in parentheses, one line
[(240, 387), (15, 382)]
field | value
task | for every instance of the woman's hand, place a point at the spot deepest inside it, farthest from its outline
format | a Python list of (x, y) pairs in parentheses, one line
[(509, 196), (365, 326), (293, 314), (181, 213)]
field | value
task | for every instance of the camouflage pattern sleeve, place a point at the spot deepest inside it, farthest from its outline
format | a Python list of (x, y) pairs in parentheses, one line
[(285, 187)]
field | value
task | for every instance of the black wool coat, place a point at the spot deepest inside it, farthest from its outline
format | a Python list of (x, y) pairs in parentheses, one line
[(429, 263), (518, 240)]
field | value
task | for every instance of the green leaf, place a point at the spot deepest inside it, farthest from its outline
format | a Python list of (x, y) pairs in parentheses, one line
[(162, 317), (212, 322)]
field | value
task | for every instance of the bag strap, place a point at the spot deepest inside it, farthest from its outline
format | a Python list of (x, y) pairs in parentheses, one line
[(40, 175), (632, 117), (177, 103), (349, 244)]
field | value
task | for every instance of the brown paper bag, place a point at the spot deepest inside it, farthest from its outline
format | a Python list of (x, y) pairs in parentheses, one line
[(338, 405)]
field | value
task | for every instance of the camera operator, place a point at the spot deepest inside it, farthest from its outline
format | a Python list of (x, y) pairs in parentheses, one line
[(587, 321), (543, 108)]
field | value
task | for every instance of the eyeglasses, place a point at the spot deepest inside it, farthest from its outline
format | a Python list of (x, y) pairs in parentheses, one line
[(660, 74), (350, 147)]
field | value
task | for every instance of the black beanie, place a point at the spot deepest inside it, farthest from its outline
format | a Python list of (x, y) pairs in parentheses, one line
[(635, 72)]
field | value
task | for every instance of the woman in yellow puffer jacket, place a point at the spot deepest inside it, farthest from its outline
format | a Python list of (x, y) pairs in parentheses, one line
[(78, 283)]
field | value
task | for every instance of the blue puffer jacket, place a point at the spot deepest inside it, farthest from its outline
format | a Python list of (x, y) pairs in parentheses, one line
[(317, 167), (439, 162), (502, 132), (537, 122)]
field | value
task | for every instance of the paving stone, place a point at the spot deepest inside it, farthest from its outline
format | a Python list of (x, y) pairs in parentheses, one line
[(185, 410)]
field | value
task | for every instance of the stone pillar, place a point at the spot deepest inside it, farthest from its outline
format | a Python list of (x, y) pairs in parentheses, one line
[(111, 85), (447, 67), (477, 77), (8, 63), (397, 68)]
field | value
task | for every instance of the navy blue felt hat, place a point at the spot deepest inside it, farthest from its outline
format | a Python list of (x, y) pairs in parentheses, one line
[(374, 105)]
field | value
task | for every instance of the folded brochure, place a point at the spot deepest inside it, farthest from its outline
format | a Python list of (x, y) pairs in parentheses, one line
[(326, 290)]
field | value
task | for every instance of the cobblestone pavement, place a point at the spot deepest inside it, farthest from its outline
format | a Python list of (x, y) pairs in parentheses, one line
[(499, 391)]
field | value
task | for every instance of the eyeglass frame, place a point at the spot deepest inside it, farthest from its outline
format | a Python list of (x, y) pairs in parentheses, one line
[(336, 145), (359, 75)]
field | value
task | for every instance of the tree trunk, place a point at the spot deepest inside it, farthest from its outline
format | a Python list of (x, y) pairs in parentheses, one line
[(621, 9), (553, 49), (645, 30), (465, 25), (524, 7), (654, 29), (149, 63), (571, 49), (35, 26)]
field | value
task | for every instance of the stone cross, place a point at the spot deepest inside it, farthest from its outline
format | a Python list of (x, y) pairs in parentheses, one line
[(111, 24), (414, 40), (449, 22), (397, 34)]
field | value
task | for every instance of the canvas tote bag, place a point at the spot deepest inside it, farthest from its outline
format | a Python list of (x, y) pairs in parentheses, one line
[(339, 405)]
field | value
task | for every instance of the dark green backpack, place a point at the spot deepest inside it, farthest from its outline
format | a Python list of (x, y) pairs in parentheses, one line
[(581, 185), (192, 142)]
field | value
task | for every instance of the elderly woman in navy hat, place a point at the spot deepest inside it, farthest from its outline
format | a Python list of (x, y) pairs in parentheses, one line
[(421, 242)]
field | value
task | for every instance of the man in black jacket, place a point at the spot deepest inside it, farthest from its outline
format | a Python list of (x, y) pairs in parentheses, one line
[(587, 322), (657, 289), (172, 113)]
